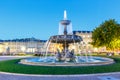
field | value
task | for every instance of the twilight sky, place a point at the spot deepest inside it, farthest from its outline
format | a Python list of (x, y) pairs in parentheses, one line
[(40, 18)]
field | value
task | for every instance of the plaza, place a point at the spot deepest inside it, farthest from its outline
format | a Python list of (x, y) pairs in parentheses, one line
[(59, 40), (64, 48)]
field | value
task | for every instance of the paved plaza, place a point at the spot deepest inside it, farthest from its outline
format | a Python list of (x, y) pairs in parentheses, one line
[(12, 76)]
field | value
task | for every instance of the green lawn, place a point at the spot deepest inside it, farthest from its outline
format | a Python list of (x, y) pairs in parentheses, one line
[(14, 67)]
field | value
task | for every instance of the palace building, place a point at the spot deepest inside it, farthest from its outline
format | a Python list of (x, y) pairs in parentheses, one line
[(33, 45), (17, 46), (86, 43)]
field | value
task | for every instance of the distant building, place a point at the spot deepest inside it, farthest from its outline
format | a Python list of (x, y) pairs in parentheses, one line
[(87, 39), (32, 45), (16, 46)]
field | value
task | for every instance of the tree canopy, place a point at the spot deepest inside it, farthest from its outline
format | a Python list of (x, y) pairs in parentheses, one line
[(107, 34)]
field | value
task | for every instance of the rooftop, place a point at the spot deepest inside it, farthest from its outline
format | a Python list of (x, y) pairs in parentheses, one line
[(23, 40)]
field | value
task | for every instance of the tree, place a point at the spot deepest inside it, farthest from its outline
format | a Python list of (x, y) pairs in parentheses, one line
[(107, 34), (114, 45)]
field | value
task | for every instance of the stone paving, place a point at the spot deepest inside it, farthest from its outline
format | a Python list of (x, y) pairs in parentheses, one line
[(12, 76)]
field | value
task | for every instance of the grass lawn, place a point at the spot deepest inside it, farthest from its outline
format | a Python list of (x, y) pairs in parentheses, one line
[(13, 67)]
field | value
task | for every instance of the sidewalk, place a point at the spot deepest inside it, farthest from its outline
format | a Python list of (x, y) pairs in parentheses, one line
[(104, 76)]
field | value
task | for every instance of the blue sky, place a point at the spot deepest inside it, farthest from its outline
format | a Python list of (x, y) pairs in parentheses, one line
[(40, 18)]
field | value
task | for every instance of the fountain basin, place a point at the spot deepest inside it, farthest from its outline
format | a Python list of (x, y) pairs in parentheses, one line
[(79, 61)]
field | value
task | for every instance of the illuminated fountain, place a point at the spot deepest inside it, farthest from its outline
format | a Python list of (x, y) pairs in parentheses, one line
[(65, 38), (64, 55)]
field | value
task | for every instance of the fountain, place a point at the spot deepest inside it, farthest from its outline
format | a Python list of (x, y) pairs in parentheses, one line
[(65, 39), (65, 56)]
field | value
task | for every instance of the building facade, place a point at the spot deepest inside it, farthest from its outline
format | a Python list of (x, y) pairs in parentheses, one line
[(86, 43), (32, 45), (17, 46)]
